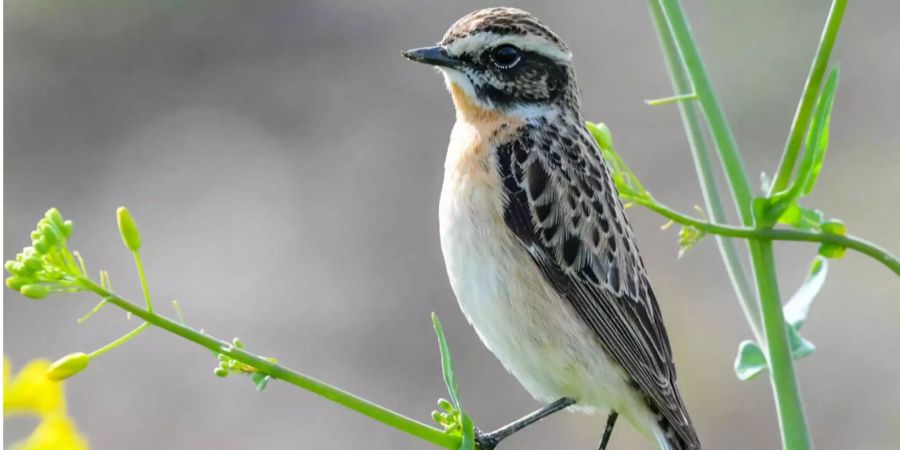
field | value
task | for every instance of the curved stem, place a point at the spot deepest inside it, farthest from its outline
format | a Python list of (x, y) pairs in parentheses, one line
[(127, 337), (344, 398), (848, 241), (808, 99)]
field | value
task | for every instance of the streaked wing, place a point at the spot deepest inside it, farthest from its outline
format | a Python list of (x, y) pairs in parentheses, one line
[(562, 205)]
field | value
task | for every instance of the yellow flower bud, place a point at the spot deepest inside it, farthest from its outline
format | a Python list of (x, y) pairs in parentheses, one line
[(834, 226), (54, 216), (16, 282), (67, 366), (34, 291), (131, 237)]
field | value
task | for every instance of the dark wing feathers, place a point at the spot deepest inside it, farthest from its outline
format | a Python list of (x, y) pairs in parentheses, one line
[(562, 205)]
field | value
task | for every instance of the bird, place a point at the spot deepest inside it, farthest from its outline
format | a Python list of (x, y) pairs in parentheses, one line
[(537, 248)]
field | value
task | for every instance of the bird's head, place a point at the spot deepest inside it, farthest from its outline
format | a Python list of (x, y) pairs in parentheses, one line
[(504, 60)]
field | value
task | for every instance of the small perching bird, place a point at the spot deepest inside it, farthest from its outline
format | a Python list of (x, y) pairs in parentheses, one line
[(537, 247)]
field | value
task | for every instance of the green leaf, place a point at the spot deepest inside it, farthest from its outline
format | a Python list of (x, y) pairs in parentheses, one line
[(446, 361), (785, 202), (601, 134), (817, 139), (750, 361), (797, 308), (800, 346), (802, 218), (260, 379)]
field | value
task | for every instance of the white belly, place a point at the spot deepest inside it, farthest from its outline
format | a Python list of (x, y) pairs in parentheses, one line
[(519, 317)]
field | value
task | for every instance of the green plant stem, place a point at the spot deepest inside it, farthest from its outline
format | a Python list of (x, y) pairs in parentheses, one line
[(712, 109), (702, 163), (346, 399), (678, 98), (144, 288), (808, 99), (125, 338), (794, 430), (795, 433), (771, 234)]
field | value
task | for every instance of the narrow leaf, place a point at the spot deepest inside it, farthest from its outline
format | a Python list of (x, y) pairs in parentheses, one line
[(817, 139), (750, 361), (446, 361), (797, 308)]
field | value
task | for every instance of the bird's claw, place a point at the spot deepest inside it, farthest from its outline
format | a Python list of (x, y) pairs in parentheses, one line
[(486, 441)]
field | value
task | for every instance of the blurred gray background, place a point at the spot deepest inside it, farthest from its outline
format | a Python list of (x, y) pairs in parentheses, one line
[(284, 164)]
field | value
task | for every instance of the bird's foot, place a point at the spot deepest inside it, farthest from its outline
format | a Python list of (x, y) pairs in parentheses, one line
[(486, 441)]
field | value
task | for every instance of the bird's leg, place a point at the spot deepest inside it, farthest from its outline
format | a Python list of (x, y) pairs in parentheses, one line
[(610, 423), (487, 441)]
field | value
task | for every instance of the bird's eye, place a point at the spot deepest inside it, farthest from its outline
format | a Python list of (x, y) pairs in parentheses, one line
[(506, 56)]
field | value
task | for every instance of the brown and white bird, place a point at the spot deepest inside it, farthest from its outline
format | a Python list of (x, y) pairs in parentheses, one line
[(538, 250)]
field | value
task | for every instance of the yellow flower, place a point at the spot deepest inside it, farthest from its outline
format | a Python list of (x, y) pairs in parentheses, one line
[(55, 432), (30, 392)]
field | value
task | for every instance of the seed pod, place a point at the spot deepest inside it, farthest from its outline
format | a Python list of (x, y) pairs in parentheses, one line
[(67, 366)]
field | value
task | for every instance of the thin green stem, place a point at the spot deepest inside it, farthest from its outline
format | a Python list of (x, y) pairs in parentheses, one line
[(127, 337), (146, 290), (808, 99), (703, 165), (795, 433), (96, 309), (673, 99), (772, 234), (794, 430), (344, 398), (712, 109)]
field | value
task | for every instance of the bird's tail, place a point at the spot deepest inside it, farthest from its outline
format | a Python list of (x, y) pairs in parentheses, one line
[(669, 439)]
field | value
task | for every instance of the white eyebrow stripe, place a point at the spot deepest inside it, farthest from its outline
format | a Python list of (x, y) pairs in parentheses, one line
[(530, 42)]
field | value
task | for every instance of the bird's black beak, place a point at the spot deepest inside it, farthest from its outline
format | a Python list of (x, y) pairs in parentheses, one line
[(435, 56)]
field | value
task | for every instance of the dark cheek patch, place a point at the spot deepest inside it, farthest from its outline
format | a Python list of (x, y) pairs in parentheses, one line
[(535, 79)]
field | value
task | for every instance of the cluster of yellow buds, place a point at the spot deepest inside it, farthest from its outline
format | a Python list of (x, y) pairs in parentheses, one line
[(46, 266)]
